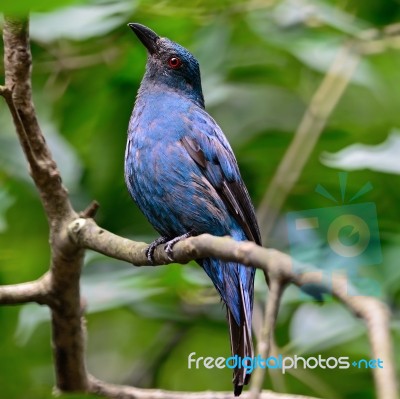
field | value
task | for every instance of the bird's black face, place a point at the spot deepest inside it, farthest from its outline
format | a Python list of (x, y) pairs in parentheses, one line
[(169, 63)]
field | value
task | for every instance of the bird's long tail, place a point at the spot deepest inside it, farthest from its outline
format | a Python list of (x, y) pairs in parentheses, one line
[(235, 284), (241, 344)]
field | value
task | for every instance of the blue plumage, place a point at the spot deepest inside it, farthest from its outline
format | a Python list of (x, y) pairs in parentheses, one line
[(181, 172)]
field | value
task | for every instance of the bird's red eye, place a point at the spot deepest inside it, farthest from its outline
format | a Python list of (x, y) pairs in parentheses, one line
[(174, 62)]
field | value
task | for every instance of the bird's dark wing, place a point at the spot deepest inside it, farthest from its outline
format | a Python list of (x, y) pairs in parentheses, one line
[(208, 147)]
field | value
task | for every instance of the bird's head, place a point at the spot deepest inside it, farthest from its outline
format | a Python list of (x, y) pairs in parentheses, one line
[(170, 64)]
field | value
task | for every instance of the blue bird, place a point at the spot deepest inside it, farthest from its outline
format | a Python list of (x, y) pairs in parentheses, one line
[(181, 172)]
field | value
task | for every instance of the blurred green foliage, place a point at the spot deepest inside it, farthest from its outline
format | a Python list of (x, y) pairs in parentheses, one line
[(261, 62)]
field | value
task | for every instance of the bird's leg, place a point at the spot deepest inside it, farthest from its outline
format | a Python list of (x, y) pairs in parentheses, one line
[(170, 244), (152, 247)]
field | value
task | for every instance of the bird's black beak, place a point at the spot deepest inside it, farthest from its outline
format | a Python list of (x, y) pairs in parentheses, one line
[(146, 36)]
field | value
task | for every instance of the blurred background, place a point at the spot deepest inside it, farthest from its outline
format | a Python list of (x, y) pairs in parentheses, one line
[(263, 63)]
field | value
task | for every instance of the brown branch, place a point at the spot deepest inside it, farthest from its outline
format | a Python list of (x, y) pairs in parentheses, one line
[(87, 234), (66, 259), (126, 392), (18, 95), (7, 93), (33, 291), (90, 211), (276, 264), (277, 286), (376, 317)]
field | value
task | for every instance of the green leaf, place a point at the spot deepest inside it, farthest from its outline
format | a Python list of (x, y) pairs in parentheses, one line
[(314, 327), (382, 157), (79, 22)]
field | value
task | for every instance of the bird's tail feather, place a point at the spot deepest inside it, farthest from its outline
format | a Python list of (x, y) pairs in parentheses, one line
[(241, 343), (234, 283)]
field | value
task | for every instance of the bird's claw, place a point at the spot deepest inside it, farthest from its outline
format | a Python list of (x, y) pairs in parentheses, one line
[(150, 253), (169, 246), (169, 250), (152, 247)]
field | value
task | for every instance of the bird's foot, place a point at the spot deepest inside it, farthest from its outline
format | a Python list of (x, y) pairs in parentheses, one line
[(169, 246), (152, 247)]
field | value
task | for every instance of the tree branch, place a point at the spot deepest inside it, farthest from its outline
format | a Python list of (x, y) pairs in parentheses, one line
[(66, 259), (126, 392), (33, 291), (277, 286), (18, 95), (277, 265)]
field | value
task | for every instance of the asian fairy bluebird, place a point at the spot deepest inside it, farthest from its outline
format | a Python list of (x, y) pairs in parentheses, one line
[(181, 172)]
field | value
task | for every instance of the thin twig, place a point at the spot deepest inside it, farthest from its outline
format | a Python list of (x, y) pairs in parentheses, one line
[(90, 211), (272, 303), (376, 317)]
